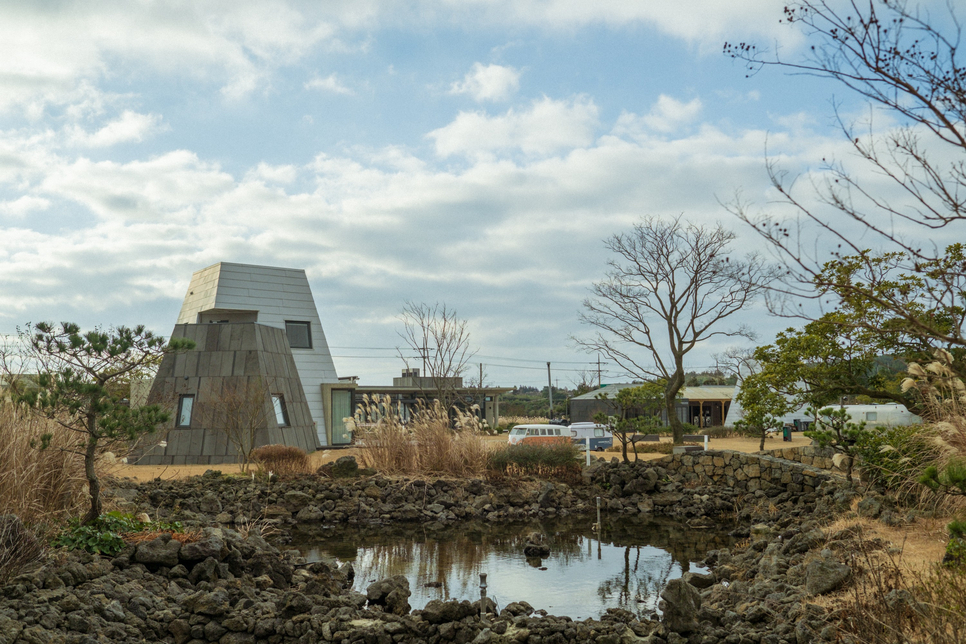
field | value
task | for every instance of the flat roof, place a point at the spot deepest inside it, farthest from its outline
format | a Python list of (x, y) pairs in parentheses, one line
[(709, 392), (393, 389)]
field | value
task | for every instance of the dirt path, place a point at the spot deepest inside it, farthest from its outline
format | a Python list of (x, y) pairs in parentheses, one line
[(148, 472)]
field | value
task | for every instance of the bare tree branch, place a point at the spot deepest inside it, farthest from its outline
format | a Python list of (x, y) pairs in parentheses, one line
[(442, 339), (909, 65)]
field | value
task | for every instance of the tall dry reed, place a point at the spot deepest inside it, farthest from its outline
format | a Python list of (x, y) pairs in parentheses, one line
[(42, 487), (425, 444), (943, 396)]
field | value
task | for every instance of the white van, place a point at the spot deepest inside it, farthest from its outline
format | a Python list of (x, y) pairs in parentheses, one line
[(600, 437), (538, 434)]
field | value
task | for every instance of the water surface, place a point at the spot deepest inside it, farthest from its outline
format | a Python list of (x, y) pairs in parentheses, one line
[(627, 567)]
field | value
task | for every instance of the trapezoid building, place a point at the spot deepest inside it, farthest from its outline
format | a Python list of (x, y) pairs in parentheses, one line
[(259, 344)]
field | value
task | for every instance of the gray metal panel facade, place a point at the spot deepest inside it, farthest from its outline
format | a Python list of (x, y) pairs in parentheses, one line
[(274, 295), (227, 355)]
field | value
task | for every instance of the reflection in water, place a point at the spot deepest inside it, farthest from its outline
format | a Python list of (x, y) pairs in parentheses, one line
[(583, 576)]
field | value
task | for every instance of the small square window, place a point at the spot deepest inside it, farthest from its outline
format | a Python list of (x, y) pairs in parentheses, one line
[(871, 415), (185, 404), (281, 413), (299, 334)]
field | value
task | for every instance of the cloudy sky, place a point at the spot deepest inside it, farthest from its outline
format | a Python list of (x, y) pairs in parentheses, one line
[(472, 152)]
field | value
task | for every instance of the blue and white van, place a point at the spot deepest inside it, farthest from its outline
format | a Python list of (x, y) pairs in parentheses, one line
[(600, 437)]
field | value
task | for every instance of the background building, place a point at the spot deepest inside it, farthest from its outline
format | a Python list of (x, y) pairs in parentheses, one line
[(705, 406), (410, 389)]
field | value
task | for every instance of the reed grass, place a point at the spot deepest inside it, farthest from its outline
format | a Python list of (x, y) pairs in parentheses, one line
[(430, 443), (42, 487), (943, 396)]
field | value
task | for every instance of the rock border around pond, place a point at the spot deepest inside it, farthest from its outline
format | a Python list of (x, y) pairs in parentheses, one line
[(235, 588)]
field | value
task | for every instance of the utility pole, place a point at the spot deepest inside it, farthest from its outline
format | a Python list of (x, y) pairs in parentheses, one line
[(424, 353), (550, 390), (598, 371), (482, 397)]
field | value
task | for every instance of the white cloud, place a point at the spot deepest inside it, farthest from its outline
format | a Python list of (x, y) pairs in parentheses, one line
[(48, 52), (329, 84), (273, 173), (705, 22), (24, 206), (667, 116), (489, 83), (171, 186), (546, 127), (130, 127)]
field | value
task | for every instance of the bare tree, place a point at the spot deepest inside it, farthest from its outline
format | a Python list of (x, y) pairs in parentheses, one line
[(670, 288), (584, 381), (908, 64), (442, 340), (240, 410), (736, 361)]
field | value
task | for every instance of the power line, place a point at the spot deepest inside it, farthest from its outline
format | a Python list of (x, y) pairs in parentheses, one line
[(392, 357), (367, 348), (540, 361)]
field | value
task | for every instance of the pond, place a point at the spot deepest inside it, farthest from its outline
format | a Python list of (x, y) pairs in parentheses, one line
[(627, 567)]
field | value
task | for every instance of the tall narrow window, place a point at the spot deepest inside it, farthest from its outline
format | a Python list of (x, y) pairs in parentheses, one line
[(299, 334), (281, 413), (185, 403)]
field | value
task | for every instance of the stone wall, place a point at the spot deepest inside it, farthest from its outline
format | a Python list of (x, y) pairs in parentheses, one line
[(744, 471), (820, 457)]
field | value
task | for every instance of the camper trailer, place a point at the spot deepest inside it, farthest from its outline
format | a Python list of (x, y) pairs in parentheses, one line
[(889, 415)]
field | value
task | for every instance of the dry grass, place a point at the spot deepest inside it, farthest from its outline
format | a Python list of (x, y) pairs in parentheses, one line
[(658, 447), (899, 592), (19, 549), (426, 445), (42, 487), (510, 421), (281, 460), (151, 535)]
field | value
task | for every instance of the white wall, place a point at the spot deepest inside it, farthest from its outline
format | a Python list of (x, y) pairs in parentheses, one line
[(277, 295)]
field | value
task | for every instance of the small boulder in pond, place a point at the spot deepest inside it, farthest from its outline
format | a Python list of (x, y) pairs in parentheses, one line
[(536, 545)]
